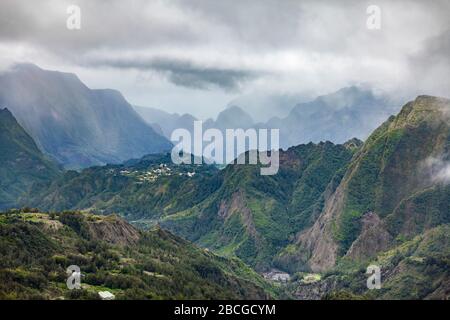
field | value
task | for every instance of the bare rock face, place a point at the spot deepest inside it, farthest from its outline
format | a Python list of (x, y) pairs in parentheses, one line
[(114, 230), (316, 290), (373, 238), (237, 205), (318, 241), (382, 174)]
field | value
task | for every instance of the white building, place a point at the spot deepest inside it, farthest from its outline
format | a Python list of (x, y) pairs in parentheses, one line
[(106, 295)]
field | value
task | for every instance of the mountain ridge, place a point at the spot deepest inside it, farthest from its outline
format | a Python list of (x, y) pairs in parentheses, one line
[(77, 126), (22, 165), (419, 119)]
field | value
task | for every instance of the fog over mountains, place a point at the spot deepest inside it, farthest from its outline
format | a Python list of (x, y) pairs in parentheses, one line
[(77, 126), (330, 207), (263, 107), (351, 112), (81, 127), (313, 142)]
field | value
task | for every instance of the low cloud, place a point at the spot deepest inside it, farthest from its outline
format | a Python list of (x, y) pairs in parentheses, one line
[(430, 66), (218, 48), (185, 73), (437, 169)]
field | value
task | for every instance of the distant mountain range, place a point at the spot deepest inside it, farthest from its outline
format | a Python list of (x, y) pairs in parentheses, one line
[(337, 117), (165, 122), (232, 117), (77, 126), (330, 211), (264, 106), (80, 127)]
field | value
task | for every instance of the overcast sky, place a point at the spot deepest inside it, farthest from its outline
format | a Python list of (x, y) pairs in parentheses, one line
[(197, 55)]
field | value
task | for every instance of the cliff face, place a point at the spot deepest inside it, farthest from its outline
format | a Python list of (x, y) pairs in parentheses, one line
[(377, 199), (77, 126), (253, 216), (114, 230)]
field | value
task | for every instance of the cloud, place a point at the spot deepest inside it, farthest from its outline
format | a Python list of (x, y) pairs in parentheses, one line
[(305, 48), (185, 73), (430, 66), (437, 169)]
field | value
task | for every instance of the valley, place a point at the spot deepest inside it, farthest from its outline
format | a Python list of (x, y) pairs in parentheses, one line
[(308, 232), (215, 158)]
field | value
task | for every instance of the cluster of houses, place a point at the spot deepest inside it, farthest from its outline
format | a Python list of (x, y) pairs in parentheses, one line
[(153, 174), (277, 276)]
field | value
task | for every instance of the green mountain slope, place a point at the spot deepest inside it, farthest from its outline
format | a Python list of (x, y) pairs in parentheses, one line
[(144, 189), (253, 216), (21, 163), (416, 269), (36, 249), (394, 189), (331, 209), (235, 211)]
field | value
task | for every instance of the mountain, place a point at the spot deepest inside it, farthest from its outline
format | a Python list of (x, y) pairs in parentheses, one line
[(37, 248), (77, 126), (229, 210), (264, 106), (167, 122), (232, 117), (143, 189), (22, 165), (253, 216), (396, 188), (329, 212), (416, 269), (337, 117)]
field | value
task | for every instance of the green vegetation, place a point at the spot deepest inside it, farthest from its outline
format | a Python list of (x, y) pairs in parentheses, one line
[(36, 249), (329, 212), (416, 269), (146, 189), (389, 169), (253, 217), (235, 211), (22, 166)]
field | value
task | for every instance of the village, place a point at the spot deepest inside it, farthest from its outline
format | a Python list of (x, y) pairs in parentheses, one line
[(153, 174)]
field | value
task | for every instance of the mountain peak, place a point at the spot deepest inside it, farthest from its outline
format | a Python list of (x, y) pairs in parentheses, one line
[(234, 117), (78, 126), (32, 72), (431, 101), (5, 111), (26, 66), (6, 115), (233, 109), (353, 144), (424, 108)]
